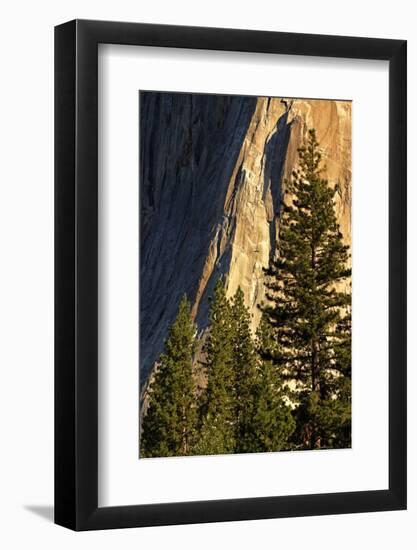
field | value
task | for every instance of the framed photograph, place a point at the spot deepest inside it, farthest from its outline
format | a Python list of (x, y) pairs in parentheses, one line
[(230, 284)]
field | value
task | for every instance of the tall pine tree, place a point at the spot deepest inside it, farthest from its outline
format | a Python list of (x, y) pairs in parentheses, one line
[(273, 423), (263, 417), (218, 418), (245, 366), (307, 308), (170, 423)]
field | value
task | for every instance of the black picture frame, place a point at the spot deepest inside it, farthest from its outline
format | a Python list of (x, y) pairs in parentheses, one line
[(76, 272)]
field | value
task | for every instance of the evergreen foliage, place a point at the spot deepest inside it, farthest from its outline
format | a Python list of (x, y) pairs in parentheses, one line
[(273, 423), (169, 427), (245, 372), (264, 420), (218, 424), (307, 310)]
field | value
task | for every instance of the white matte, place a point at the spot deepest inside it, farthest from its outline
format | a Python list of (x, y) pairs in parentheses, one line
[(123, 478)]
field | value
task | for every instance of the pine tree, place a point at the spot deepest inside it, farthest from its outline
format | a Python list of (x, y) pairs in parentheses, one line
[(340, 431), (218, 422), (245, 373), (272, 424), (306, 307), (170, 423), (263, 418)]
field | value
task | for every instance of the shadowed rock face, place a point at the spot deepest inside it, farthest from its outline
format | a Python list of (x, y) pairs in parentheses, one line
[(212, 169), (189, 145)]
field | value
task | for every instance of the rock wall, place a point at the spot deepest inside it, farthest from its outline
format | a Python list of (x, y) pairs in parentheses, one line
[(212, 169)]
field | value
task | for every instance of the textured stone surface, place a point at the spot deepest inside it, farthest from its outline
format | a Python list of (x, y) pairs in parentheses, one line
[(212, 169)]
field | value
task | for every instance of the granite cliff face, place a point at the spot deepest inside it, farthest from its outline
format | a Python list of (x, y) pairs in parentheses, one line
[(212, 170)]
